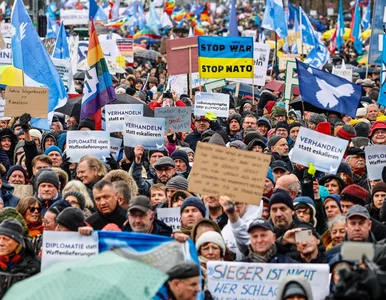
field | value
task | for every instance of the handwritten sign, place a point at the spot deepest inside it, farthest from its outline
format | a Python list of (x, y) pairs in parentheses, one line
[(61, 246), (93, 143), (233, 280), (115, 115), (235, 173), (211, 102), (177, 118), (115, 147), (283, 60), (324, 151), (171, 217), (145, 131), (375, 161), (65, 71), (20, 99), (22, 190)]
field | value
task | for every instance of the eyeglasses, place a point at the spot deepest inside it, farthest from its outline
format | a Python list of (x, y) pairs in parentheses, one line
[(33, 208)]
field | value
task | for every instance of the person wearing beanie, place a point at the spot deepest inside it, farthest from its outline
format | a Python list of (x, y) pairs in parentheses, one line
[(181, 162), (279, 113), (278, 144), (362, 129), (378, 194), (233, 127), (282, 129), (86, 124), (16, 175), (377, 133), (305, 210), (357, 162), (265, 213), (76, 199), (263, 126), (8, 141), (332, 206), (269, 183), (333, 183), (238, 145), (294, 128), (201, 124), (174, 184), (49, 219), (70, 219), (344, 171), (346, 132), (294, 287), (323, 127), (36, 136), (55, 154), (189, 152), (315, 119), (17, 258), (47, 184), (192, 210), (184, 281), (256, 145)]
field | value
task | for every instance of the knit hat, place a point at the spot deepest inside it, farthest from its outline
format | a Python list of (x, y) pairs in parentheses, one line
[(164, 152), (344, 168), (13, 229), (71, 218), (59, 206), (251, 136), (377, 125), (362, 129), (87, 123), (346, 132), (193, 201), (34, 133), (47, 175), (354, 193), (187, 150), (281, 196), (78, 196), (324, 127), (142, 95), (270, 175), (278, 111), (282, 124), (317, 118), (181, 154), (310, 203), (236, 117), (294, 124), (273, 141), (13, 169), (264, 121), (211, 237), (333, 197), (216, 139), (256, 142), (53, 148), (379, 187), (178, 183), (239, 145)]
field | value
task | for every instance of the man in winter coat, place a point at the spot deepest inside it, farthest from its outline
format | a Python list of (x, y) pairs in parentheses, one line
[(7, 194)]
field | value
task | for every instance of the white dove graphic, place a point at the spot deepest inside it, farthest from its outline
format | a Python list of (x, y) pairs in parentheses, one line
[(328, 94)]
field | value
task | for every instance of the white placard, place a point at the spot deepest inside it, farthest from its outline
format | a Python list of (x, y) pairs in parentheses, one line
[(178, 118), (61, 246), (115, 147), (65, 71), (211, 102), (323, 151), (74, 16), (234, 280), (6, 53), (115, 115), (375, 161), (6, 30), (87, 142), (171, 217), (344, 73)]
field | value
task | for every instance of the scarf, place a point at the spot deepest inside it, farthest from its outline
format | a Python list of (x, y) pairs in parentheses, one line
[(186, 229), (254, 257), (8, 262), (203, 263)]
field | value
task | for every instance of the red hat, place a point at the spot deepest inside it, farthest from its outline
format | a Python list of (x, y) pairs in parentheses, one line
[(324, 127), (377, 125), (354, 193), (346, 132), (270, 105)]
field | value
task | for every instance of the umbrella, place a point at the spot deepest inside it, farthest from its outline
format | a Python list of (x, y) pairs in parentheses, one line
[(245, 89), (81, 75), (71, 108), (104, 276), (138, 49), (9, 75), (149, 54), (296, 103), (127, 99), (277, 85)]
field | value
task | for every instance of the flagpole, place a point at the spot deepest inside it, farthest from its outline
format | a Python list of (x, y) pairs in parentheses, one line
[(301, 36), (276, 58)]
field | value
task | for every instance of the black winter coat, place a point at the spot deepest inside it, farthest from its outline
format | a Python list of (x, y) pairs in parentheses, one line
[(159, 228), (97, 221)]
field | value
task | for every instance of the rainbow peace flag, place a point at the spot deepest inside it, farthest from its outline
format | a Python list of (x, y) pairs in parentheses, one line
[(199, 30), (114, 23), (169, 6), (178, 14), (146, 36), (98, 88)]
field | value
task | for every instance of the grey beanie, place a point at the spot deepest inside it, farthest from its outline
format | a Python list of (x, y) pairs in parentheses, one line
[(273, 140), (362, 129), (12, 228), (178, 183), (47, 175), (71, 218), (187, 150), (78, 196), (317, 118)]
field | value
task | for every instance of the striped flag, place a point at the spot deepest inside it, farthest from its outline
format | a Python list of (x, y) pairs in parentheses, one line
[(98, 88)]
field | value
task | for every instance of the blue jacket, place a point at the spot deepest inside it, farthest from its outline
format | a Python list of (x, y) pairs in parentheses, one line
[(7, 195)]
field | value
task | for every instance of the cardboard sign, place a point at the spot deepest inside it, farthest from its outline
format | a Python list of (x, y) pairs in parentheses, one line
[(234, 280), (375, 161), (74, 16), (177, 53), (115, 147), (324, 151), (20, 99), (235, 173), (145, 131), (22, 190), (93, 143), (126, 47), (171, 217), (61, 246), (290, 79), (283, 60), (225, 57), (115, 115), (211, 102), (177, 118)]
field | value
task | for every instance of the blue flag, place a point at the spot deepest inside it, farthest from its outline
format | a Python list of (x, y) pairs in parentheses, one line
[(366, 15), (61, 50), (233, 31), (382, 92), (274, 18), (153, 21), (340, 27), (96, 12), (52, 29), (307, 31), (30, 56), (356, 30), (327, 91)]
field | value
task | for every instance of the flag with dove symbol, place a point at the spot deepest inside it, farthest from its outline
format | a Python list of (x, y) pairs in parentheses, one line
[(327, 91)]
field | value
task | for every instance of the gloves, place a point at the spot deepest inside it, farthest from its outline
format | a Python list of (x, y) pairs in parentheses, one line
[(309, 172), (24, 121), (211, 116), (65, 166), (126, 166), (311, 169), (112, 162)]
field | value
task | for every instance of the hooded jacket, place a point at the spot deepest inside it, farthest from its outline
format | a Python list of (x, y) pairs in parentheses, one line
[(7, 132), (7, 195), (293, 278), (47, 134), (237, 135)]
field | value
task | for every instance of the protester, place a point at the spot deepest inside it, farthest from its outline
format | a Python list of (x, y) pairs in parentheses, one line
[(70, 219), (184, 281), (47, 183), (30, 208)]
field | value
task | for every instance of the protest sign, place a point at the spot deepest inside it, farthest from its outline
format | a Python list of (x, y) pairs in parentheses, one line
[(93, 143), (115, 115), (115, 147), (6, 53), (343, 72), (61, 246), (378, 20), (211, 102), (171, 217), (234, 280), (182, 55), (22, 190), (177, 118), (324, 151), (145, 131), (284, 59), (290, 79), (375, 161), (250, 33), (235, 173), (20, 99), (110, 50), (6, 30), (126, 47), (74, 16), (260, 60), (225, 57), (2, 106), (212, 86), (65, 71)]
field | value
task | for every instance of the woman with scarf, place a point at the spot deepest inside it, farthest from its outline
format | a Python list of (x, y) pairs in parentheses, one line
[(17, 258), (30, 208)]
